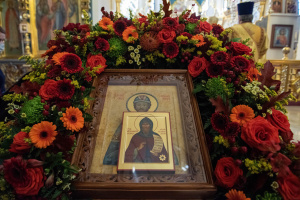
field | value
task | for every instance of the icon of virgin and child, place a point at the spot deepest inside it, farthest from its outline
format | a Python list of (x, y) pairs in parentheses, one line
[(146, 146)]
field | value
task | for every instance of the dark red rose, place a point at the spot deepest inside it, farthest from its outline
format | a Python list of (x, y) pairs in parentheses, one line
[(219, 122), (258, 133), (84, 28), (49, 89), (170, 23), (19, 145), (241, 63), (102, 44), (289, 186), (204, 27), (65, 89), (280, 121), (71, 63), (280, 163), (219, 58), (227, 172), (170, 50), (214, 70), (119, 26), (71, 27), (96, 61), (62, 104), (240, 49), (197, 65), (217, 29), (24, 179), (166, 36)]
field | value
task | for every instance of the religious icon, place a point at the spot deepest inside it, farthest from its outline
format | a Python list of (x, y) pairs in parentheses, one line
[(292, 6), (277, 6), (146, 142), (140, 102), (281, 35)]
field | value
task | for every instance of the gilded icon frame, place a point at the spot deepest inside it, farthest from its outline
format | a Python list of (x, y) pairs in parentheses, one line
[(195, 182)]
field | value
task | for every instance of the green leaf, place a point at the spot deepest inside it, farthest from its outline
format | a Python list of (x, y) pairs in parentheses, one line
[(56, 194), (235, 39)]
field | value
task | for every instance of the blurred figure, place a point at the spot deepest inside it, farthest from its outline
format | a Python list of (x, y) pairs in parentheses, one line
[(245, 29), (2, 47), (12, 26)]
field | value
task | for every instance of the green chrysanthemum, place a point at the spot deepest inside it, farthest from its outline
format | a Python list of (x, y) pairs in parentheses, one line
[(117, 47), (33, 110), (218, 87), (190, 27)]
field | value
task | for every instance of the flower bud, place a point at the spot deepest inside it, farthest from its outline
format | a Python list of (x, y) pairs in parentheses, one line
[(34, 163), (50, 181)]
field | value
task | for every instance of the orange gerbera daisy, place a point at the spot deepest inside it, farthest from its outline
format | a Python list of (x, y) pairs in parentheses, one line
[(130, 34), (253, 74), (236, 195), (56, 58), (241, 114), (104, 22), (43, 134), (200, 39), (73, 119)]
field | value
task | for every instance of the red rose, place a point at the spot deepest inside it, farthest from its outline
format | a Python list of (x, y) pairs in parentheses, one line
[(26, 180), (217, 29), (227, 172), (260, 134), (296, 151), (289, 186), (48, 90), (205, 27), (240, 49), (197, 65), (96, 61), (166, 36), (19, 145), (280, 121)]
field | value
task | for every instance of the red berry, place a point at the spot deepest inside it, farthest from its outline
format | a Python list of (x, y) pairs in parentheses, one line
[(236, 82), (35, 94), (31, 97), (186, 58), (231, 140), (230, 72), (238, 162), (43, 100), (82, 102), (17, 111), (243, 150), (244, 83), (46, 107), (45, 113), (234, 150), (82, 88), (225, 71), (182, 60), (228, 80)]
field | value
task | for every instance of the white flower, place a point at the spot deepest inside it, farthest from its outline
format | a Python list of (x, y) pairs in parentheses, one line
[(132, 55), (11, 111), (138, 63), (136, 51), (138, 55), (130, 48), (130, 61), (139, 46)]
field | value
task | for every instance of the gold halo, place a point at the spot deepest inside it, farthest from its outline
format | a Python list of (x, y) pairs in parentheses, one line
[(142, 116), (153, 100)]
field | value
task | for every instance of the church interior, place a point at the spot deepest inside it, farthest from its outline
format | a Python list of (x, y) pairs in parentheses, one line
[(27, 26)]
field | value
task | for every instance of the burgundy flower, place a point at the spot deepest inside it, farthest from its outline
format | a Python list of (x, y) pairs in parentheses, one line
[(102, 44), (219, 122), (219, 58), (62, 104), (241, 63), (197, 65), (214, 70), (170, 50), (119, 26), (71, 63), (70, 50), (71, 27), (88, 77), (65, 89), (26, 87), (232, 130), (170, 23), (280, 163), (54, 72), (84, 28), (217, 29), (25, 180), (187, 35), (180, 29)]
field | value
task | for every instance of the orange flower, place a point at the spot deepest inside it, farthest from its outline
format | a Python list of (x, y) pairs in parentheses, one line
[(200, 39), (56, 58), (43, 134), (130, 34), (73, 119), (49, 51), (241, 114), (236, 195), (104, 22), (253, 74)]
